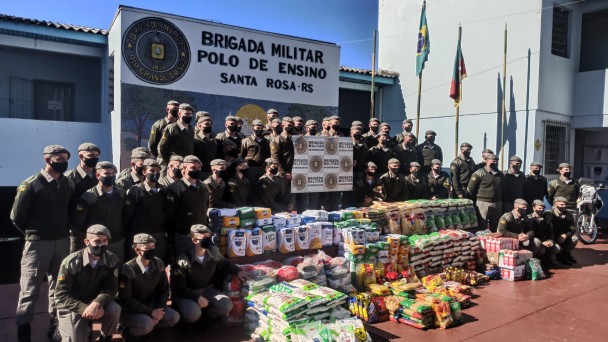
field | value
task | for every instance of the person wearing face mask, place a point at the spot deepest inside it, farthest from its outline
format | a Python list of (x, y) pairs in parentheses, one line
[(514, 183), (371, 137), (86, 287), (386, 128), (143, 291), (381, 153), (105, 204), (564, 228), (186, 203), (417, 187), (229, 151), (41, 213), (205, 144), (275, 130), (271, 186), (216, 185), (325, 126), (394, 184), (438, 182), (535, 186), (199, 116), (144, 152), (298, 128), (178, 137), (159, 126), (238, 186), (334, 127), (360, 151), (406, 153), (239, 127), (255, 149), (282, 150), (461, 169), (428, 150), (271, 114), (516, 225), (198, 278), (365, 188), (564, 186), (174, 171), (230, 134), (407, 126), (136, 176), (543, 231), (487, 186), (146, 208)]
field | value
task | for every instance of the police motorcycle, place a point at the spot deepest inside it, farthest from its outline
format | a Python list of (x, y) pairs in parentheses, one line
[(588, 205)]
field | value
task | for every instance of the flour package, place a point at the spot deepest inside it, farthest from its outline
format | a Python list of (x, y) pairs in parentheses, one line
[(286, 240), (254, 242), (237, 243)]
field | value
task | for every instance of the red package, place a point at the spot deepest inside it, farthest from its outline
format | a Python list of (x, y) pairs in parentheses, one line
[(270, 263), (287, 273), (381, 310), (293, 261), (234, 285)]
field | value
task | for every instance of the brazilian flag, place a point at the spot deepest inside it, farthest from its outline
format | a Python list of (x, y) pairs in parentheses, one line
[(424, 44)]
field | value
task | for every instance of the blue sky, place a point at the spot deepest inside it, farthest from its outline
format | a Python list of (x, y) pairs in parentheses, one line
[(349, 23)]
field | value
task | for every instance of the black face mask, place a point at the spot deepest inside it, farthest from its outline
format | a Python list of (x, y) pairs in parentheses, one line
[(232, 128), (395, 170), (494, 166), (408, 129), (148, 255), (208, 242), (232, 153), (312, 131), (358, 136), (107, 180), (152, 177), (382, 142), (290, 130), (516, 167), (535, 172), (335, 127), (221, 173), (59, 167), (96, 250), (139, 170), (371, 174), (206, 129), (177, 173), (278, 130), (258, 133), (466, 154), (173, 112), (274, 171), (374, 129), (431, 140), (186, 120), (238, 129), (194, 174), (414, 173), (245, 172), (91, 162), (521, 211), (566, 174)]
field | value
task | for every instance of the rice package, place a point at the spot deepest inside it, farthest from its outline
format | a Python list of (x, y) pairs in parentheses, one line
[(315, 235), (254, 242), (303, 284), (312, 300), (269, 239), (281, 301), (302, 238), (329, 294), (237, 243), (286, 240), (263, 222)]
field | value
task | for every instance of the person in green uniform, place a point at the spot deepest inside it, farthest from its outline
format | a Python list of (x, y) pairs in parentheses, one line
[(86, 287), (143, 292), (216, 185), (298, 126), (487, 186), (136, 176), (238, 186), (516, 225), (514, 183), (41, 213), (462, 168), (174, 171), (407, 126), (229, 134), (271, 114), (270, 183), (282, 150), (205, 144), (406, 152), (416, 183), (563, 230), (543, 231), (371, 137), (564, 186), (255, 149), (438, 181), (393, 183), (178, 137), (428, 150), (159, 126), (381, 153), (535, 186)]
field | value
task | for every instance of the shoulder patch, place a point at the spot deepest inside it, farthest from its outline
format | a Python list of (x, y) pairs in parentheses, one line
[(503, 221), (22, 188), (121, 284), (60, 277), (473, 178)]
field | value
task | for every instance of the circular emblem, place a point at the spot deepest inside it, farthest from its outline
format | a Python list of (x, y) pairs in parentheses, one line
[(346, 164), (156, 51), (331, 181), (331, 146), (315, 163), (301, 145), (299, 181)]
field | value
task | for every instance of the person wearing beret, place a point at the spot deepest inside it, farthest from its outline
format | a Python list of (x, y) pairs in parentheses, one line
[(486, 186), (86, 287), (564, 228), (205, 145), (174, 171), (239, 127), (461, 169), (535, 186), (428, 150), (276, 128), (325, 126), (143, 291), (41, 213), (136, 174), (381, 153), (255, 149), (416, 183), (564, 186), (146, 208), (360, 151), (171, 116), (371, 137), (334, 126), (178, 137), (105, 204), (141, 153), (298, 126), (216, 185), (229, 134), (198, 277), (438, 182), (271, 188), (282, 150), (393, 183), (407, 126), (514, 183), (368, 189), (271, 114), (406, 152), (516, 225), (238, 187), (543, 231)]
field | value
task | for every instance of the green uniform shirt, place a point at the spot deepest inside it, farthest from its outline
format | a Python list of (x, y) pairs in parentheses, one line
[(238, 191), (176, 141), (216, 193), (255, 150), (426, 154), (271, 195), (558, 187), (141, 291), (282, 150), (406, 155), (96, 207), (510, 226), (462, 169), (156, 134), (205, 149), (439, 187), (186, 205), (394, 187), (146, 209), (486, 186), (535, 188), (380, 156)]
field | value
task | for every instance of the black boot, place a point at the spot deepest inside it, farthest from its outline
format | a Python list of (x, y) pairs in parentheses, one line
[(569, 257), (24, 333), (127, 337), (52, 332)]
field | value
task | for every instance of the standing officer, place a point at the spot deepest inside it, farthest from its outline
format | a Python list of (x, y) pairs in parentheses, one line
[(325, 126), (381, 153), (270, 183), (298, 126), (146, 208), (239, 127), (216, 185), (187, 204), (159, 126), (386, 128), (86, 286), (282, 150), (198, 277), (178, 137), (334, 126), (229, 134), (394, 184), (205, 144), (360, 152), (255, 149), (487, 186), (174, 171), (462, 168), (198, 116), (416, 183), (136, 176), (371, 137), (104, 204), (535, 186), (407, 126), (438, 182), (406, 152), (428, 150), (271, 115), (239, 185), (41, 213), (275, 130), (514, 184), (143, 291), (564, 186)]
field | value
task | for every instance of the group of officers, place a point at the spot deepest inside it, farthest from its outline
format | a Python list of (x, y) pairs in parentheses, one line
[(155, 211)]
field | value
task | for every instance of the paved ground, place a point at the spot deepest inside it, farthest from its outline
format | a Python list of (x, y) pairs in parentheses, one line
[(572, 305)]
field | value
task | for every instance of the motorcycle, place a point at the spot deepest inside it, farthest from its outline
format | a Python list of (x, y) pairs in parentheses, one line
[(589, 203)]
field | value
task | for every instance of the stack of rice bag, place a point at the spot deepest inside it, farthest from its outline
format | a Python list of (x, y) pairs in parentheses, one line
[(447, 248)]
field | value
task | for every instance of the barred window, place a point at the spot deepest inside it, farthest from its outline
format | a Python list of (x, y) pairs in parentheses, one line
[(557, 145), (559, 36)]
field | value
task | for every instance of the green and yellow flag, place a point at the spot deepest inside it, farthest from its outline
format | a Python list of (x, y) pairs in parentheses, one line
[(424, 44)]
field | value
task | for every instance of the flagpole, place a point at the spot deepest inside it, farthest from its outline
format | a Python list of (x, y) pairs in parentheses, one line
[(371, 110), (504, 86), (458, 106), (418, 107)]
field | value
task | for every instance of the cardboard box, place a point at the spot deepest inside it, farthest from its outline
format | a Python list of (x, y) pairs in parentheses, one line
[(513, 274), (511, 259)]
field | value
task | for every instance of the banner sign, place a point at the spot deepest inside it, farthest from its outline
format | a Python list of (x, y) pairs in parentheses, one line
[(322, 164)]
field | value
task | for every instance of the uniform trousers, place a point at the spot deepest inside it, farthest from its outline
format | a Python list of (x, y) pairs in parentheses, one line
[(490, 213), (139, 324), (219, 305), (75, 328)]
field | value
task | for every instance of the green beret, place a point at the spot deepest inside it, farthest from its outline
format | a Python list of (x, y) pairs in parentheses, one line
[(186, 106), (563, 165), (436, 161), (374, 120), (535, 163), (105, 165), (276, 121), (89, 147), (192, 159), (143, 238), (176, 158), (466, 144), (394, 161), (297, 119), (311, 122), (99, 229), (560, 199), (257, 122), (430, 132), (538, 202), (407, 121), (272, 111), (200, 229), (151, 163), (288, 119), (414, 164), (217, 162), (385, 124), (521, 201), (55, 149), (515, 159), (172, 103)]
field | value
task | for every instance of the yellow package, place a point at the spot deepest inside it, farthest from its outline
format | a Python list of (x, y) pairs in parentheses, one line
[(393, 250), (355, 249), (379, 290), (393, 241), (254, 242), (231, 221), (302, 238), (314, 233), (262, 213), (404, 249)]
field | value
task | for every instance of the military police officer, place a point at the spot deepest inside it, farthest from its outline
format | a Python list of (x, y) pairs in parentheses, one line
[(216, 185), (487, 185), (462, 168), (416, 183), (159, 126), (174, 171), (428, 150), (270, 183), (136, 176), (239, 185), (535, 186), (564, 186), (255, 149), (405, 151), (178, 137), (394, 184), (205, 144), (515, 224), (514, 183), (438, 182), (381, 153), (229, 134), (371, 137)]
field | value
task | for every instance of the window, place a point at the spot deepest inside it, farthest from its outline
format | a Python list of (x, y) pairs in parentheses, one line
[(21, 98), (594, 41), (559, 39), (557, 145), (41, 100)]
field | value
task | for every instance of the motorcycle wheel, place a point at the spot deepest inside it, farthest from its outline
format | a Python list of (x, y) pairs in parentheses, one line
[(586, 229)]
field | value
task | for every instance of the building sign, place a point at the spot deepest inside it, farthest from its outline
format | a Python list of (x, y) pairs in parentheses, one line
[(322, 164)]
